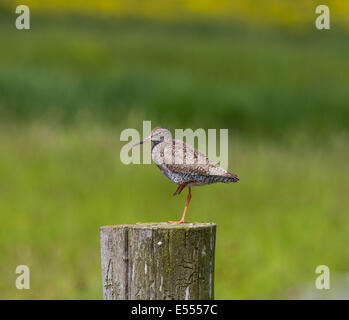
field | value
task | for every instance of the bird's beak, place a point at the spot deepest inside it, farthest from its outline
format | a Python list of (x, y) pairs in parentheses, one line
[(141, 142)]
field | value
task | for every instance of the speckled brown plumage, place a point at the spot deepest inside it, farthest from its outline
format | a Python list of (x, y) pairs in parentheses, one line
[(183, 164)]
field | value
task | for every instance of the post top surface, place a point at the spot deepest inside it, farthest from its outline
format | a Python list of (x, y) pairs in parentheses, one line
[(162, 225)]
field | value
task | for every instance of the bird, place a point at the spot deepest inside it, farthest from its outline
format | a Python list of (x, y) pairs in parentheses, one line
[(184, 165)]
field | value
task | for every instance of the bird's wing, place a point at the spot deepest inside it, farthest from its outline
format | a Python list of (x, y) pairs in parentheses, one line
[(188, 160)]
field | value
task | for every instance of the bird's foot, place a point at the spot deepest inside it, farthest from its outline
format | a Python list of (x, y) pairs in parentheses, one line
[(176, 222)]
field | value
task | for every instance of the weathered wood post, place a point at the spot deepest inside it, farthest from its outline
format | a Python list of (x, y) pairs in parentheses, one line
[(158, 261)]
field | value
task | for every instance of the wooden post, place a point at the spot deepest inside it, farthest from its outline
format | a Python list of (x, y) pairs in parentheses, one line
[(159, 261)]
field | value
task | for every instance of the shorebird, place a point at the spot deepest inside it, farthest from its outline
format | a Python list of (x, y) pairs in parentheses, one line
[(183, 164)]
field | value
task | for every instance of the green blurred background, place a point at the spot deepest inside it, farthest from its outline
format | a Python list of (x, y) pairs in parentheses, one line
[(89, 69)]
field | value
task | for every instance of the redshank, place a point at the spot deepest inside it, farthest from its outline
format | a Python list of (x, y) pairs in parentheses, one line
[(184, 165)]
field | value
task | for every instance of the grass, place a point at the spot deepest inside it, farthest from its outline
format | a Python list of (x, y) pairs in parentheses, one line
[(70, 85), (253, 82), (286, 216)]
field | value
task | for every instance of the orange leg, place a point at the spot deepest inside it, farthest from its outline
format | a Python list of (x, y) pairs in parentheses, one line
[(179, 189), (185, 209)]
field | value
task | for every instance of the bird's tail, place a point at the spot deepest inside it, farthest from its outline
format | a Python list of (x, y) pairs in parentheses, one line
[(231, 177)]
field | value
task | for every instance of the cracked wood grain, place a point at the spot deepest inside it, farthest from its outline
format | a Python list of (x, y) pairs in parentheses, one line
[(157, 261)]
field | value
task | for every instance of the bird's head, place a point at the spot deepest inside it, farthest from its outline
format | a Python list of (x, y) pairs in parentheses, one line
[(157, 135)]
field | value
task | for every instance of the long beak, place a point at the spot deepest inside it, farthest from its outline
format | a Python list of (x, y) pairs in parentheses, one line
[(141, 142)]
